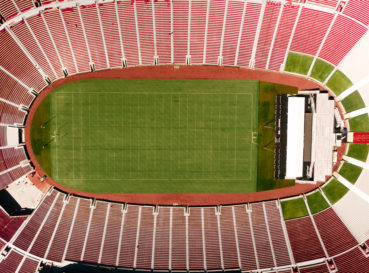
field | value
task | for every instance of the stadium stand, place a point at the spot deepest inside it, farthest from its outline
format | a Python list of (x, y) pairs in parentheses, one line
[(248, 33), (304, 240), (251, 34), (112, 36), (9, 225), (53, 21), (335, 235), (11, 262)]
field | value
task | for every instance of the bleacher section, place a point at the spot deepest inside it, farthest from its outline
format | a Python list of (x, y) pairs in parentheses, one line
[(106, 34), (144, 237)]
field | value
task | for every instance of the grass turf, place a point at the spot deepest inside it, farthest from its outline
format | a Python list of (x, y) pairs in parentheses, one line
[(358, 151), (334, 190), (353, 102), (359, 123), (350, 172), (321, 70), (316, 202), (294, 208), (150, 135), (339, 82), (298, 63), (267, 93)]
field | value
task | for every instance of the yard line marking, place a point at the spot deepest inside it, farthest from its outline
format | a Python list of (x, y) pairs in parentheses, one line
[(195, 153), (235, 139), (171, 136), (203, 139), (187, 151), (56, 134), (106, 143), (147, 135), (162, 93), (155, 137), (89, 131), (211, 140), (158, 179), (73, 130), (179, 127)]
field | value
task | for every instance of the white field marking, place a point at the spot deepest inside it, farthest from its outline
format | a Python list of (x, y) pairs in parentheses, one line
[(179, 122), (167, 179), (211, 140), (187, 142), (89, 129), (235, 138), (171, 136), (73, 133), (157, 179), (56, 137), (219, 108)]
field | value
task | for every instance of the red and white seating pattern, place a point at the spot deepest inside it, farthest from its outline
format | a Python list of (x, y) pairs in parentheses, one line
[(358, 9), (304, 240), (250, 237), (311, 29), (142, 237)]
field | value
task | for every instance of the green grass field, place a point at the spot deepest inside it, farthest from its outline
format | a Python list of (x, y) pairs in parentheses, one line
[(294, 208), (174, 136), (334, 190), (316, 202)]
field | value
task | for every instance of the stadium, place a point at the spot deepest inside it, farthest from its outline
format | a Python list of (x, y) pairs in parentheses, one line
[(184, 136)]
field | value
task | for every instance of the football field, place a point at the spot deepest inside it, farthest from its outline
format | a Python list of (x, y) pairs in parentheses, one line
[(126, 135)]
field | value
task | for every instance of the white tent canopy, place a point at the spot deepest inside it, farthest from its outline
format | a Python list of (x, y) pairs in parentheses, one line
[(295, 137)]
